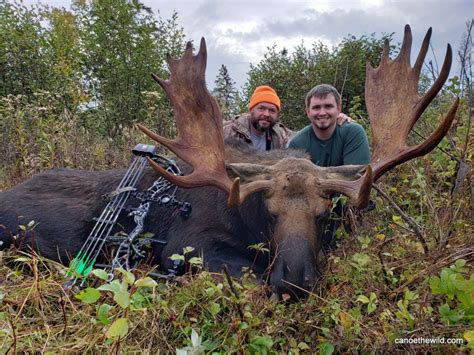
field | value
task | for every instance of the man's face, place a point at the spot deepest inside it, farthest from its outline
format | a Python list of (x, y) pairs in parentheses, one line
[(323, 111), (263, 116)]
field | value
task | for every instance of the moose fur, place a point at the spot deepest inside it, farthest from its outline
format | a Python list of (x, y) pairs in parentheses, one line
[(63, 203)]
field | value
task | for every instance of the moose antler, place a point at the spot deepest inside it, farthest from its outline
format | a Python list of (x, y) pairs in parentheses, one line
[(394, 106), (199, 140), (392, 102)]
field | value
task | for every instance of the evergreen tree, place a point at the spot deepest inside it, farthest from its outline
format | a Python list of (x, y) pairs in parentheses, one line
[(225, 93)]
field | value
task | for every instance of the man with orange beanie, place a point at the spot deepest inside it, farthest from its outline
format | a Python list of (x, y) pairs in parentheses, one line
[(260, 127)]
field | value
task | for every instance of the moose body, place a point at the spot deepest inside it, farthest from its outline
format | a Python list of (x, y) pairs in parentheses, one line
[(63, 203), (239, 197)]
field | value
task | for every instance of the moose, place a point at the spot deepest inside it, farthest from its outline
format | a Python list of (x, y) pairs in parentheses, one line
[(240, 197)]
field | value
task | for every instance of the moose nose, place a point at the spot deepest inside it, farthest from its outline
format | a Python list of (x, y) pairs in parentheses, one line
[(295, 270)]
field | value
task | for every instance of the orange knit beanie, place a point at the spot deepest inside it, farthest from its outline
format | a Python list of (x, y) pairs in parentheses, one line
[(264, 94)]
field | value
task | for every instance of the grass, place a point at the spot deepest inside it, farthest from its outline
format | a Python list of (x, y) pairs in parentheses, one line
[(39, 315)]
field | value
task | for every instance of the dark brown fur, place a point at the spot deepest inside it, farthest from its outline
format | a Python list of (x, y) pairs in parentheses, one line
[(63, 202)]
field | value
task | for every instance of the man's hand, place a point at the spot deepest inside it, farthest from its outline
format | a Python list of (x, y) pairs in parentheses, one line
[(343, 118)]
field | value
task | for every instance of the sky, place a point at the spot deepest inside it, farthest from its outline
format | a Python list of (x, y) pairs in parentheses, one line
[(238, 33)]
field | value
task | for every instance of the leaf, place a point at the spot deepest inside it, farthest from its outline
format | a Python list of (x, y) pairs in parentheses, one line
[(118, 329), (469, 336), (128, 276), (466, 302), (195, 339), (410, 296), (137, 301), (435, 285), (146, 282), (187, 250), (363, 299), (113, 286), (210, 291), (345, 320), (215, 308), (262, 341), (371, 307), (175, 257), (243, 325), (103, 313), (101, 274), (326, 348), (88, 295), (396, 218), (459, 266), (449, 316), (195, 261), (122, 298), (361, 259), (303, 346)]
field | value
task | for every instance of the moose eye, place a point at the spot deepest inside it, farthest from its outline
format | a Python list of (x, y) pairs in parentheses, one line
[(322, 216), (272, 217)]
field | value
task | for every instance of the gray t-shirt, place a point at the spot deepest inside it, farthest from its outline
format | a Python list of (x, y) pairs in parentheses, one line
[(258, 142)]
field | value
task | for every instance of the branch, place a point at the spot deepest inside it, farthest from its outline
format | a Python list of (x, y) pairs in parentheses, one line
[(414, 226), (234, 291)]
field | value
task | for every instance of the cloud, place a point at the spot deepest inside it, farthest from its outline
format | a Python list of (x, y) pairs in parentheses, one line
[(239, 32)]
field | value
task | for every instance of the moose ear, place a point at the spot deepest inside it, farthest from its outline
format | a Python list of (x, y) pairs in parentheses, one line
[(246, 171)]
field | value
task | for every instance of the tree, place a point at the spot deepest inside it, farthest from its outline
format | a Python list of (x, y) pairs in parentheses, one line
[(349, 64), (293, 75), (225, 93), (63, 47), (24, 66), (121, 48)]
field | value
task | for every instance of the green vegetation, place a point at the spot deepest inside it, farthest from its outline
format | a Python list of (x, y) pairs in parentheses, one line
[(73, 83)]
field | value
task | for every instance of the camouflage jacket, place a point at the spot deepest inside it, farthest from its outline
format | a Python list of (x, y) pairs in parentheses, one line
[(239, 127)]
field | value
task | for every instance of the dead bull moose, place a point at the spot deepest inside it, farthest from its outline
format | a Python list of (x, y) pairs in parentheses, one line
[(239, 197)]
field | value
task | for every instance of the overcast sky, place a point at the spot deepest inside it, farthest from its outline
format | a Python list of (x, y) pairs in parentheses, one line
[(238, 32)]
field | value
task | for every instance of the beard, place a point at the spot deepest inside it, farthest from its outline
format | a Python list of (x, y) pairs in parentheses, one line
[(323, 128), (324, 123), (259, 128)]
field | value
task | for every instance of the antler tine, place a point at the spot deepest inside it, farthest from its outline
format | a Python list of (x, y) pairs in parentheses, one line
[(386, 49), (423, 50), (358, 191), (394, 106), (438, 84), (199, 140), (405, 50)]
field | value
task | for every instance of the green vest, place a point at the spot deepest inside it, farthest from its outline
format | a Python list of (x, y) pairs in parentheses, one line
[(347, 146)]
